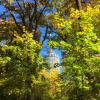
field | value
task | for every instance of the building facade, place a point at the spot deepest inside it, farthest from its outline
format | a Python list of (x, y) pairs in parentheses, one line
[(54, 61)]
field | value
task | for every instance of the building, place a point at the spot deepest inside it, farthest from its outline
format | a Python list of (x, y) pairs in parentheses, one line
[(54, 61), (52, 58)]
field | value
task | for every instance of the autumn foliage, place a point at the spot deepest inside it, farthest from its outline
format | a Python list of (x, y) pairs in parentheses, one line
[(72, 27)]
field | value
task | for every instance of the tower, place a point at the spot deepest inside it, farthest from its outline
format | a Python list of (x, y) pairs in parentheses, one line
[(53, 58), (54, 61)]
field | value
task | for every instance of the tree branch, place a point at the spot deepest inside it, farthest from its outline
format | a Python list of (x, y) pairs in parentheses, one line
[(22, 15), (38, 19), (78, 4), (9, 10), (46, 31)]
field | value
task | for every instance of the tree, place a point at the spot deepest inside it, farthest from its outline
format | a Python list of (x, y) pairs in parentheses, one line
[(19, 61), (23, 76), (30, 14), (79, 38)]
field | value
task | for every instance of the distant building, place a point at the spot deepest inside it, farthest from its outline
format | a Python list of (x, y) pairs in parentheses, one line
[(54, 61), (52, 58)]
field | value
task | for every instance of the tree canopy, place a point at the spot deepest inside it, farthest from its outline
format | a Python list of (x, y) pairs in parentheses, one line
[(24, 74)]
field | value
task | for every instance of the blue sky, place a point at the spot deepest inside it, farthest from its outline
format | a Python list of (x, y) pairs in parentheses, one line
[(46, 48), (1, 9)]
